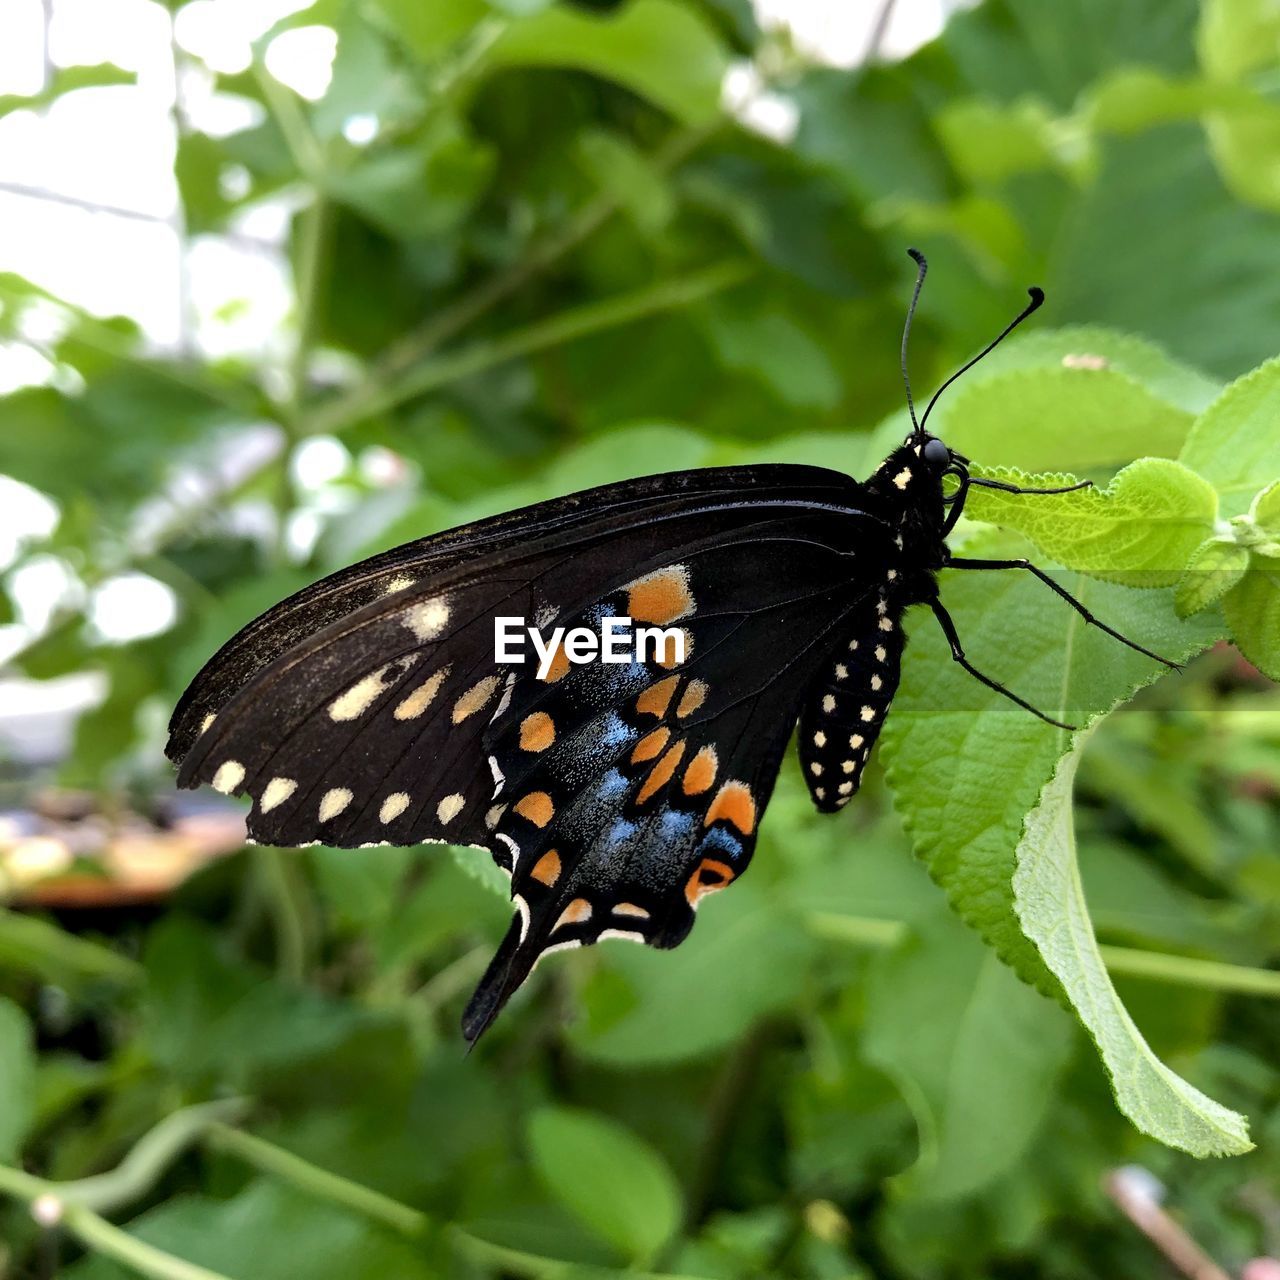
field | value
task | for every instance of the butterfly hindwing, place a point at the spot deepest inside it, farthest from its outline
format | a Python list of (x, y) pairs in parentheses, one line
[(630, 791)]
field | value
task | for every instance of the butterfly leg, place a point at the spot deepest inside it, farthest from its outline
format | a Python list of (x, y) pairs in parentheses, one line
[(957, 652), (961, 563)]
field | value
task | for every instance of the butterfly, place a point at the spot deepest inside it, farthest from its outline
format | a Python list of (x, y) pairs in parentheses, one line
[(370, 707)]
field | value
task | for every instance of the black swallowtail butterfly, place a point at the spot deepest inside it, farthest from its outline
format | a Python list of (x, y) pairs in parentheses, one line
[(369, 708)]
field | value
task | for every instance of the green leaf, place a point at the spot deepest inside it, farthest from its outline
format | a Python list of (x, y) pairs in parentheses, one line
[(1141, 530), (974, 1051), (662, 50), (270, 1232), (17, 1078), (770, 344), (1050, 904), (745, 959), (966, 765), (1087, 349), (1215, 567), (988, 142), (67, 80), (427, 30), (1085, 418), (626, 173), (607, 1178), (1264, 511), (1235, 444), (1252, 611), (1237, 36)]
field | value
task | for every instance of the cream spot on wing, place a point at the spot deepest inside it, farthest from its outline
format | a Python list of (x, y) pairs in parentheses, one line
[(627, 935), (393, 806), (474, 698), (449, 808), (844, 788), (847, 766), (820, 792), (876, 682), (881, 607), (399, 583), (630, 909), (868, 714), (576, 912), (422, 697), (903, 478), (892, 575), (856, 741), (229, 776), (494, 816), (819, 739), (816, 769), (842, 672), (207, 721), (277, 791), (828, 703), (886, 624), (364, 693), (428, 618), (853, 644), (880, 653), (333, 802)]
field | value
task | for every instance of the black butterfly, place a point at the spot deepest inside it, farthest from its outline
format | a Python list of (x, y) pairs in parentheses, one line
[(369, 708)]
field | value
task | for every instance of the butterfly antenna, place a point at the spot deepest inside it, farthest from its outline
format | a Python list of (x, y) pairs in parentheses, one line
[(921, 268), (1037, 299)]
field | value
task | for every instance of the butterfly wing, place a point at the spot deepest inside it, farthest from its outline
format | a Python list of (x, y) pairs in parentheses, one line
[(615, 794)]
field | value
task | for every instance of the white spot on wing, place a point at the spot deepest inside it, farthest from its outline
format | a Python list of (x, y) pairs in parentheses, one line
[(449, 808), (333, 802), (276, 792), (364, 693), (229, 776), (400, 582), (499, 778), (393, 806), (207, 721), (428, 618)]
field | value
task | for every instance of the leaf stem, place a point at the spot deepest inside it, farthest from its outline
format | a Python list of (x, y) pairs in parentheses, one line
[(27, 942), (269, 1158), (593, 317), (1135, 962)]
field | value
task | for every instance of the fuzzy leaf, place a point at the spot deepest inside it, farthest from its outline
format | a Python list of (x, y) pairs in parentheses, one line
[(974, 1051), (1049, 900), (662, 50), (1214, 569), (966, 765), (1235, 444), (1252, 611), (606, 1177), (1141, 530)]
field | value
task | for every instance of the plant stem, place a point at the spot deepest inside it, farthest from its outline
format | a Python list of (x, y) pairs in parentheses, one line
[(415, 347), (76, 1205), (594, 317), (1134, 962), (1189, 971), (290, 908), (269, 1158)]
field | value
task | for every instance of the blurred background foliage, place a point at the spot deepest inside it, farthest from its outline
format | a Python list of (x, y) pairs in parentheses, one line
[(532, 247)]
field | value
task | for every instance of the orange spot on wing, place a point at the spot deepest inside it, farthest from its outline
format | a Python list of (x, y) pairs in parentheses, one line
[(660, 597), (693, 697), (661, 773), (710, 877), (576, 912), (733, 803), (536, 807), (656, 698), (701, 772), (474, 698), (558, 667), (537, 732), (650, 744), (547, 869)]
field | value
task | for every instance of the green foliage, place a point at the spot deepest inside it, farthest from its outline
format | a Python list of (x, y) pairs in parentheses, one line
[(559, 262)]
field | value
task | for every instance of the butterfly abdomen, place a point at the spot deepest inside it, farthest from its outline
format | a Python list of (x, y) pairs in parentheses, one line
[(849, 698)]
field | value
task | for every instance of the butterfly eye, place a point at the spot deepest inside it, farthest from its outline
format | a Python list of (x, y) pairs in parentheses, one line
[(936, 454)]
